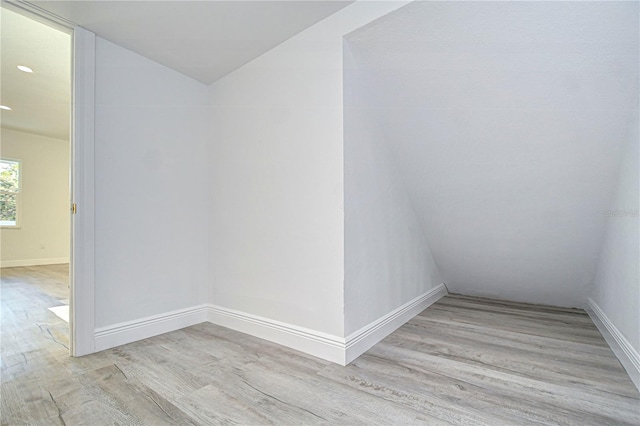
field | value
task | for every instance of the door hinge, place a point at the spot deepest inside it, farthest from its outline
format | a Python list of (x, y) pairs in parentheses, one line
[(74, 208)]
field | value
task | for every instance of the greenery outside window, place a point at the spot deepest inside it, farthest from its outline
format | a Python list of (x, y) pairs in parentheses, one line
[(10, 171)]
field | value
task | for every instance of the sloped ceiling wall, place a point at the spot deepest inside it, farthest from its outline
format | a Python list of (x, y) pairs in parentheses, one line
[(507, 120)]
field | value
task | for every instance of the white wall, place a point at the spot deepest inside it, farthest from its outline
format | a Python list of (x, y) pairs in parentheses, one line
[(43, 236), (258, 159), (616, 288), (388, 261), (276, 161), (507, 120), (151, 188)]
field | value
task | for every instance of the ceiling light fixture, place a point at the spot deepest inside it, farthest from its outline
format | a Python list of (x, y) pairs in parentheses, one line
[(5, 107), (25, 68)]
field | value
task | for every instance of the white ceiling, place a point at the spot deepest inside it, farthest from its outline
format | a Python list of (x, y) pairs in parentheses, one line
[(507, 121), (40, 101), (204, 40)]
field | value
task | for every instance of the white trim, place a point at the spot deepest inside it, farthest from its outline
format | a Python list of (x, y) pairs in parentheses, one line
[(627, 355), (318, 344), (39, 14), (82, 269), (33, 262), (18, 194), (132, 331), (322, 345), (360, 341), (326, 346)]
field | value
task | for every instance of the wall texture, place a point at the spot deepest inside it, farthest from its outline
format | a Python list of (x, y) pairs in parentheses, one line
[(151, 188), (388, 261), (616, 287), (507, 120), (43, 236), (276, 159)]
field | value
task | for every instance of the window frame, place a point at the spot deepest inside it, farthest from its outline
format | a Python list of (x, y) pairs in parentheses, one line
[(18, 194)]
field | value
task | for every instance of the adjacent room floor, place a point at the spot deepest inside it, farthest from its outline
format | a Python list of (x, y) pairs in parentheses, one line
[(462, 361), (35, 306)]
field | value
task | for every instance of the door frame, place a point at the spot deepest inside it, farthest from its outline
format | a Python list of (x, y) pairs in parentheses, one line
[(81, 178), (82, 260)]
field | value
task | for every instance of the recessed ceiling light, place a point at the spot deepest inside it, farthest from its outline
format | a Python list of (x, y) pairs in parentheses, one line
[(24, 68), (5, 107)]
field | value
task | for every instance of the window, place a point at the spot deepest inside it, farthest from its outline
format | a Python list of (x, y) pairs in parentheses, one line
[(9, 192)]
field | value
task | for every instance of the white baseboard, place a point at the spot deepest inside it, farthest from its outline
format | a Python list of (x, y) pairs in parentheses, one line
[(359, 342), (318, 344), (627, 355), (33, 262), (332, 348), (131, 331), (329, 347)]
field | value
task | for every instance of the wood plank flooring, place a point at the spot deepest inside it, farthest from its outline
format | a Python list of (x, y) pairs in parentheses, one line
[(463, 361)]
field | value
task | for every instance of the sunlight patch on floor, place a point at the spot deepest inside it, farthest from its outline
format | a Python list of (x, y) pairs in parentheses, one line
[(61, 312)]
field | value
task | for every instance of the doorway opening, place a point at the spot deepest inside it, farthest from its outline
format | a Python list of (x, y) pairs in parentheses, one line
[(36, 152)]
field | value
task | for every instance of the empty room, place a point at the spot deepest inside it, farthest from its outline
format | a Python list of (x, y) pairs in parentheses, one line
[(336, 212)]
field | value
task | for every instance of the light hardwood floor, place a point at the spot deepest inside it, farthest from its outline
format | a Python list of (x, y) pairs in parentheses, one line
[(463, 361)]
